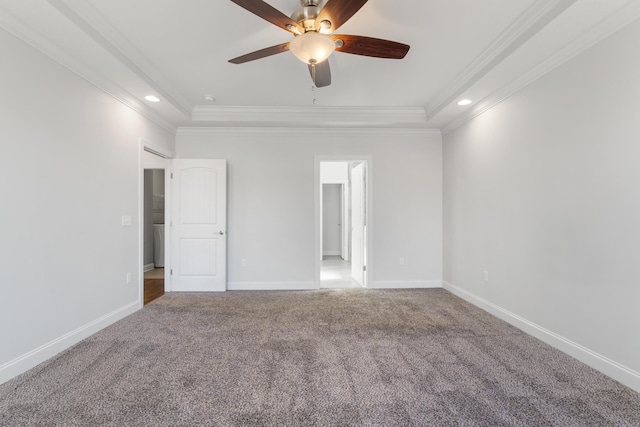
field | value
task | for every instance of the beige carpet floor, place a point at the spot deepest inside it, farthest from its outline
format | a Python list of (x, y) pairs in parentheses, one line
[(318, 358)]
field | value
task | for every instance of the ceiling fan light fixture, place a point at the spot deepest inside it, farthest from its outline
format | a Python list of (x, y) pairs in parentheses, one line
[(312, 47), (325, 26)]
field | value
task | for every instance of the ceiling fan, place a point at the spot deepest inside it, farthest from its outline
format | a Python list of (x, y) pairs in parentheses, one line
[(313, 26)]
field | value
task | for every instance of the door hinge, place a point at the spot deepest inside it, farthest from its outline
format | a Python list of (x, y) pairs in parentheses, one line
[(171, 272), (171, 175), (364, 268)]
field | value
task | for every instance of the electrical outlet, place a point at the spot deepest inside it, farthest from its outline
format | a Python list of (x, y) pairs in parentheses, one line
[(243, 262), (126, 220), (128, 278), (401, 261), (485, 275)]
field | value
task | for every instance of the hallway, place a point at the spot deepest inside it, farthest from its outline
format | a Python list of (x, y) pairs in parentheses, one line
[(335, 273)]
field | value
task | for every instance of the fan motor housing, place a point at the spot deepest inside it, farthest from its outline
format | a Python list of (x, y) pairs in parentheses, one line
[(307, 14), (317, 3)]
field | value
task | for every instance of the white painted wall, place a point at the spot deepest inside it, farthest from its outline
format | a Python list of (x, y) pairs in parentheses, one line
[(331, 219), (152, 161), (543, 193), (334, 173), (70, 155), (338, 173), (271, 202)]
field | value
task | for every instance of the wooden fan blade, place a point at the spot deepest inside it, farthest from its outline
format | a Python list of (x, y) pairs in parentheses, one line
[(368, 46), (262, 53), (321, 73), (271, 14), (338, 12)]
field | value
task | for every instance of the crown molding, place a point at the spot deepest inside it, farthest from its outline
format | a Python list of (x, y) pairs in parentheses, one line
[(313, 116), (614, 23), (209, 131), (538, 15), (89, 20), (23, 32)]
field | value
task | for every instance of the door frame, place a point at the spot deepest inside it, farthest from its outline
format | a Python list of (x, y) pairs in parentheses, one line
[(167, 155), (317, 221)]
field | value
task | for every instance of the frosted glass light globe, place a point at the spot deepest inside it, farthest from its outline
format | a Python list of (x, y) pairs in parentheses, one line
[(312, 47)]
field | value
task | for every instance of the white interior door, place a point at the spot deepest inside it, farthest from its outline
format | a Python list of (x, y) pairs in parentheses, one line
[(357, 223), (199, 225)]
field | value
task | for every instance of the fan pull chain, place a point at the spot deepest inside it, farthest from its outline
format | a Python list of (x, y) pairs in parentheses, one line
[(313, 79)]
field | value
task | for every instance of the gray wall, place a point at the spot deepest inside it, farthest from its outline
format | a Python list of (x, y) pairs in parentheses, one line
[(74, 155), (271, 204), (542, 192), (154, 207), (148, 216), (158, 199), (331, 219)]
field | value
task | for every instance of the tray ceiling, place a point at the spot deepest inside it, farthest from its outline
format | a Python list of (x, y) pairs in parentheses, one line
[(481, 50)]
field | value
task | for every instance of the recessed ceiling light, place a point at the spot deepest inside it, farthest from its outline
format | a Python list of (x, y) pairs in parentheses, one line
[(464, 102), (209, 98), (152, 98)]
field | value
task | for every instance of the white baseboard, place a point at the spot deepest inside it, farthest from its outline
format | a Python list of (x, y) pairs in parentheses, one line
[(149, 267), (33, 358), (611, 368), (331, 253), (406, 284), (271, 286)]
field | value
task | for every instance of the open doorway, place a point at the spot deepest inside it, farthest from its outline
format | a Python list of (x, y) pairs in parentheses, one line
[(153, 216), (154, 234), (343, 222)]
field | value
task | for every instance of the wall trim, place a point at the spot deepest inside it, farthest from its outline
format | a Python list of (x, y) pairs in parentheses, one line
[(156, 149), (615, 22), (406, 284), (36, 356), (331, 253), (310, 115), (297, 131), (148, 267), (271, 286), (100, 30), (24, 33), (532, 20), (611, 368)]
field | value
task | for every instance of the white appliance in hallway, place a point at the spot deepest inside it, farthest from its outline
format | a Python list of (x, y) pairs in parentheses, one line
[(158, 245)]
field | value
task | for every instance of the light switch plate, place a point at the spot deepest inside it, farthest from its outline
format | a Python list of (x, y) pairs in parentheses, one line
[(126, 220)]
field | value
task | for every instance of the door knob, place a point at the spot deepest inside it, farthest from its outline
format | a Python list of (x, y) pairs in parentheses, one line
[(221, 232)]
